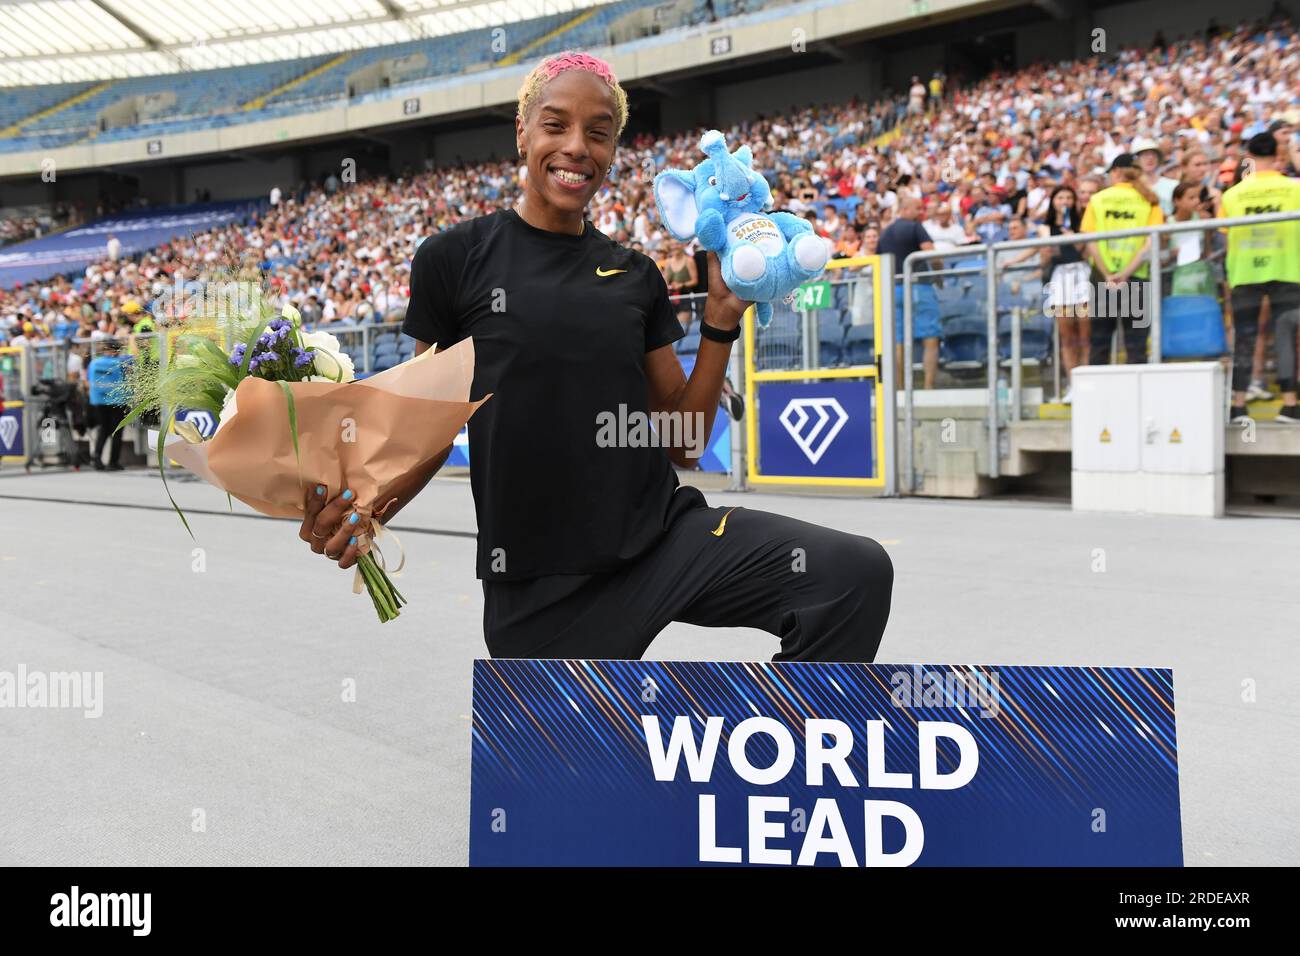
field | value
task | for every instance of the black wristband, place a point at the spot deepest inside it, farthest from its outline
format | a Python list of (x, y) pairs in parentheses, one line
[(718, 335)]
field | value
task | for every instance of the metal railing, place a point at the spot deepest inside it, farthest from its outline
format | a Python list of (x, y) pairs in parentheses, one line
[(989, 251), (29, 364)]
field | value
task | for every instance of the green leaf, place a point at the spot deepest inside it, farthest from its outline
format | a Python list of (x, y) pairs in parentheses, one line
[(162, 470), (131, 416), (293, 423), (214, 360)]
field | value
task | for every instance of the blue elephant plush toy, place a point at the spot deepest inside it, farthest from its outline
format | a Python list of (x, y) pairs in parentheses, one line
[(724, 202)]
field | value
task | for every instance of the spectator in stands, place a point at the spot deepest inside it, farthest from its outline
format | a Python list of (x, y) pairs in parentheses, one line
[(936, 90), (900, 239), (849, 244), (916, 97), (871, 240), (1147, 154), (1014, 266), (1086, 187), (944, 231), (988, 216), (1067, 290), (107, 373), (681, 275), (830, 224), (114, 248), (1184, 251)]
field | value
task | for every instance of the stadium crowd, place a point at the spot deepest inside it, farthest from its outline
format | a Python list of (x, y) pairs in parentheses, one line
[(975, 163)]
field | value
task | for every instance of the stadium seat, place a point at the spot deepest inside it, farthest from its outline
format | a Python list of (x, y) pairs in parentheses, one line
[(1035, 337), (964, 345), (830, 339), (690, 344), (1191, 326), (859, 345)]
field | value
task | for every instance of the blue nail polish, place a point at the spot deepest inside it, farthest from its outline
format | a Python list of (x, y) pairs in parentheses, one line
[(347, 495), (320, 489), (352, 540), (353, 519)]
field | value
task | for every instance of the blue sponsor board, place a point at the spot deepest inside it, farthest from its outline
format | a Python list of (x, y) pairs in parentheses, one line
[(74, 249), (200, 418), (817, 429), (645, 763), (11, 432)]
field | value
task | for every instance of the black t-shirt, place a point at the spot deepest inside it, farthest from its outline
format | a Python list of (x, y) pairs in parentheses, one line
[(900, 239), (560, 338)]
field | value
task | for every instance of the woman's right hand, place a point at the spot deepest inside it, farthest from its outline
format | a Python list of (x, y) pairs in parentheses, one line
[(328, 528)]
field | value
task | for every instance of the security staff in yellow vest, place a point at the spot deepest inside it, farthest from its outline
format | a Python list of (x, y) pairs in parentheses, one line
[(143, 333), (1128, 203), (1264, 262)]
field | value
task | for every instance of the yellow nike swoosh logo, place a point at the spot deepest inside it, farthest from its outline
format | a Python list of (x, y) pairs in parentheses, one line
[(717, 532), (608, 272)]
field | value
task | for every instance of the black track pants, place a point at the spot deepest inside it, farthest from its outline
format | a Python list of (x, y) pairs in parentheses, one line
[(824, 593)]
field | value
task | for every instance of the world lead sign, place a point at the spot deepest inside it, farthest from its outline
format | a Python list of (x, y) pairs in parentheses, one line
[(685, 763)]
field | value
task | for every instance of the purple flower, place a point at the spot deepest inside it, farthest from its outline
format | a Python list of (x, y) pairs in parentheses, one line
[(253, 363), (237, 354)]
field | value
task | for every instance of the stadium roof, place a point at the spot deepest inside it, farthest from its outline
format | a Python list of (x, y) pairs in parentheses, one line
[(55, 41)]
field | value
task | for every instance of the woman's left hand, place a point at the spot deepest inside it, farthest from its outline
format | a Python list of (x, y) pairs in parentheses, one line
[(723, 308)]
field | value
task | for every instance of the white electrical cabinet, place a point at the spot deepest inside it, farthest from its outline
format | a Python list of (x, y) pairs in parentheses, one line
[(1148, 438)]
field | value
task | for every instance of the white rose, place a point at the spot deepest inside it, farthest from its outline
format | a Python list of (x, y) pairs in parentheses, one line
[(292, 314), (331, 362), (228, 409)]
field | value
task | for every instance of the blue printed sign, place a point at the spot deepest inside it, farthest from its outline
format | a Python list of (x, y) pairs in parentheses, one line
[(11, 432), (74, 249), (200, 418), (663, 763), (817, 429)]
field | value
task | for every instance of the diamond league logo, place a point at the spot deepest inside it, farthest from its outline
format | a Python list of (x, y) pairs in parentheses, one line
[(8, 431), (202, 420), (814, 440)]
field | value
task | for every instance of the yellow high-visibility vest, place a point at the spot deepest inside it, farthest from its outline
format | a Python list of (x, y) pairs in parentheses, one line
[(1270, 252), (1115, 208)]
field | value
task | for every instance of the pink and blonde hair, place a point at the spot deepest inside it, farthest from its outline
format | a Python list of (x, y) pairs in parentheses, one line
[(553, 66)]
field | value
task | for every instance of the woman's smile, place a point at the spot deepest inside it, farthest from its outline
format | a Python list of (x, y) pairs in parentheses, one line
[(573, 180)]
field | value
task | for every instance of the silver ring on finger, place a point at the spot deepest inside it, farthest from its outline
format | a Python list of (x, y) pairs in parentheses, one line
[(315, 535)]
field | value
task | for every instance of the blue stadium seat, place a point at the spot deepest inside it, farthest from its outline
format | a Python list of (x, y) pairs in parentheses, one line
[(965, 343), (690, 344), (1191, 326), (859, 345), (830, 338)]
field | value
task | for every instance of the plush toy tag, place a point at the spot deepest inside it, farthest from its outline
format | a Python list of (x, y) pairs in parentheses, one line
[(759, 230)]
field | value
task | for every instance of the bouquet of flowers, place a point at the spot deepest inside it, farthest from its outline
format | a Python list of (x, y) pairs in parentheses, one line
[(290, 410)]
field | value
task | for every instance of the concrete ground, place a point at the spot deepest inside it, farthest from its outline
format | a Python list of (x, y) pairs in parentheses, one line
[(224, 689)]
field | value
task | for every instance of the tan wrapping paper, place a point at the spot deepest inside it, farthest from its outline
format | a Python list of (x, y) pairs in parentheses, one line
[(363, 435)]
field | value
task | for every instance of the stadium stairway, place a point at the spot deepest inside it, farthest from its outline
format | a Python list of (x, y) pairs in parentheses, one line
[(75, 99), (257, 102), (511, 59)]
